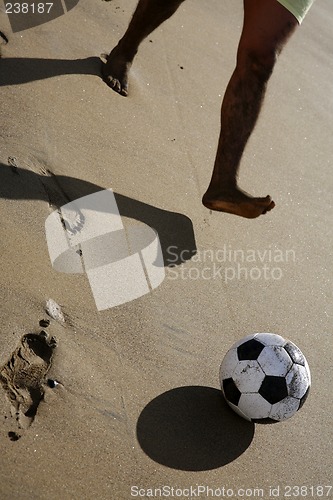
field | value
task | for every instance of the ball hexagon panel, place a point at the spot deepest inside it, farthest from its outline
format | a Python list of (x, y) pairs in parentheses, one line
[(274, 360), (303, 399), (306, 366), (254, 406), (248, 376), (284, 409), (298, 381), (295, 353), (228, 364), (238, 411), (270, 339)]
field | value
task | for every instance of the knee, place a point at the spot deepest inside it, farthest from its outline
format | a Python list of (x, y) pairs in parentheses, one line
[(258, 63)]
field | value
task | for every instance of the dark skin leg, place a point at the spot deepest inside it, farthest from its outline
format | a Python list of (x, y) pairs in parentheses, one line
[(149, 14), (267, 27)]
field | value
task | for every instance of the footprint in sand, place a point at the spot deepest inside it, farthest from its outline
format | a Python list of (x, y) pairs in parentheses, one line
[(73, 219), (23, 377)]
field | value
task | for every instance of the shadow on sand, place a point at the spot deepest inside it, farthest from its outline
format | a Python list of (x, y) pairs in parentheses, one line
[(192, 429), (175, 230), (16, 70)]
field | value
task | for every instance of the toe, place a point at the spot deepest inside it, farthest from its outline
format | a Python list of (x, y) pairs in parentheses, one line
[(108, 80), (270, 207), (113, 84), (116, 85)]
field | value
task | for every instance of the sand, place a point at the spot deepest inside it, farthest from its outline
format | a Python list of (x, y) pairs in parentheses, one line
[(137, 404)]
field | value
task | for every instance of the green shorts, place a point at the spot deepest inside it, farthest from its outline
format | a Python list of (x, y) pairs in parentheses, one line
[(298, 8)]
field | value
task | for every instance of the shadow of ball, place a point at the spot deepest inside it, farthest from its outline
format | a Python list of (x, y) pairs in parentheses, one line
[(192, 429)]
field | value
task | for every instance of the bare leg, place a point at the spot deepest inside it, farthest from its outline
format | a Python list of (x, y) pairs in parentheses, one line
[(267, 26), (148, 15)]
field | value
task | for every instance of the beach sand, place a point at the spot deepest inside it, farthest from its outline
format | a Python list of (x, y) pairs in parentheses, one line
[(137, 405)]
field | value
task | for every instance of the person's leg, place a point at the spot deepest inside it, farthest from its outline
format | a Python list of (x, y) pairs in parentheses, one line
[(267, 26), (148, 15)]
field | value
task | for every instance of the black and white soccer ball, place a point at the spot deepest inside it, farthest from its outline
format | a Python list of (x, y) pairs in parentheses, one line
[(265, 378)]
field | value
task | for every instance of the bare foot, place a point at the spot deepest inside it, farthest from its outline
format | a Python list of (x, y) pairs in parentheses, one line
[(238, 202), (115, 71)]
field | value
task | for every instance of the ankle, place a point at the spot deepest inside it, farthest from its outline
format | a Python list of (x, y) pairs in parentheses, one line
[(223, 185), (126, 50)]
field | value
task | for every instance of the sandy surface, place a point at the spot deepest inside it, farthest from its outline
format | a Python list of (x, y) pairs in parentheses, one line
[(137, 404)]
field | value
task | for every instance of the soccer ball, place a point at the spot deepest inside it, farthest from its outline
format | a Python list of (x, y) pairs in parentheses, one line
[(265, 378)]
